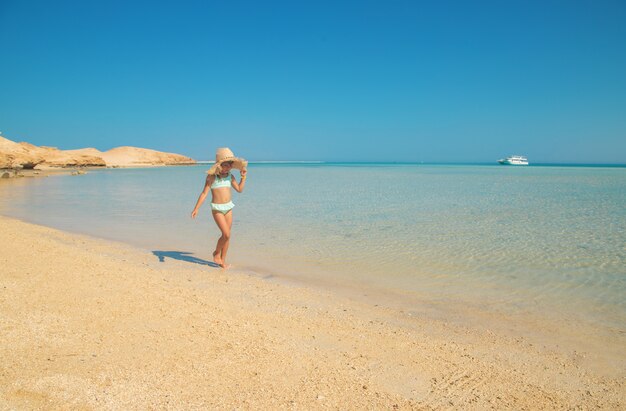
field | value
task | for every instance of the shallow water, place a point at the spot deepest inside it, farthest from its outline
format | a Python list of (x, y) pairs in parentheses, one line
[(543, 239)]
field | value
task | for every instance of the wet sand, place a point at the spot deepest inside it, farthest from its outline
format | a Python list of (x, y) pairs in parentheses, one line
[(87, 323)]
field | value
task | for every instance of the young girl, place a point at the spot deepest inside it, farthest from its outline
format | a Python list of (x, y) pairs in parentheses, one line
[(219, 180)]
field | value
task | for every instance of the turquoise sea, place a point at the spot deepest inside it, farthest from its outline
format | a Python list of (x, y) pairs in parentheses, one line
[(546, 241)]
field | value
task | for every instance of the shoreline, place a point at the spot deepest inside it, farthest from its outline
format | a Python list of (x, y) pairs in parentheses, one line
[(600, 343), (60, 171), (597, 346), (95, 323), (48, 172)]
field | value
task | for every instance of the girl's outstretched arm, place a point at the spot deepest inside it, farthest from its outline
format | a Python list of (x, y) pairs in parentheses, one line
[(238, 186), (203, 194)]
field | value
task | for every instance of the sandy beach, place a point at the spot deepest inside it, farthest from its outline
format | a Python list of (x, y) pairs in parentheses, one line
[(92, 324)]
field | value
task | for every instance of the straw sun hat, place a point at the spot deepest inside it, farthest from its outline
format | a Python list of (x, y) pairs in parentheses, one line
[(225, 154)]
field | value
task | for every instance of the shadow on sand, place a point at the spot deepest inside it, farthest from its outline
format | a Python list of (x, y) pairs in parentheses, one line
[(183, 256)]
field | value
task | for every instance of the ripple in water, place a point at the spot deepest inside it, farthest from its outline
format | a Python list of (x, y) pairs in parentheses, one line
[(512, 237)]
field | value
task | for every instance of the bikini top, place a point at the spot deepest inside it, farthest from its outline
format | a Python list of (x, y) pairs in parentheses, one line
[(221, 182)]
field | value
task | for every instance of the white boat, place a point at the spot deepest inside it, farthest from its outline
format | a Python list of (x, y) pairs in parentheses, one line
[(514, 161)]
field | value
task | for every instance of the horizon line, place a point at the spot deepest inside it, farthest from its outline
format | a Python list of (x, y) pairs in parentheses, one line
[(548, 163)]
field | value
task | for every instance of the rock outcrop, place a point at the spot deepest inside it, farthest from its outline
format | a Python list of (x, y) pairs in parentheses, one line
[(53, 157), (18, 155), (27, 156)]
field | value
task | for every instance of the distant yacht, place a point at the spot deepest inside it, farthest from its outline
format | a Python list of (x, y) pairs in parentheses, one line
[(514, 161)]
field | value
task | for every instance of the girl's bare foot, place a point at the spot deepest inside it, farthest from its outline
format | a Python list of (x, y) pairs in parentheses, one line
[(225, 266), (217, 258)]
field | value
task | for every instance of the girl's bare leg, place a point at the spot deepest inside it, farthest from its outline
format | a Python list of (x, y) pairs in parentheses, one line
[(229, 222), (223, 223)]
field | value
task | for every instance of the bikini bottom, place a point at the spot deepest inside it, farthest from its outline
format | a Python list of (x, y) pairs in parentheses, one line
[(222, 208)]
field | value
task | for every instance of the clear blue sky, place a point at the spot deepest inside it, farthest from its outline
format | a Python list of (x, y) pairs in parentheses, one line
[(339, 80)]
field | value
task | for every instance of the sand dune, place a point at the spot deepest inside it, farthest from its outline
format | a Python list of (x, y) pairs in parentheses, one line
[(133, 156)]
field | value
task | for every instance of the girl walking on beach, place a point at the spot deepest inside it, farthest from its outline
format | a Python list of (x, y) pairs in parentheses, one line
[(220, 181)]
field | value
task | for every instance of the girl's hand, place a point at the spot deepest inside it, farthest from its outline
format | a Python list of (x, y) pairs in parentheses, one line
[(194, 213), (243, 172)]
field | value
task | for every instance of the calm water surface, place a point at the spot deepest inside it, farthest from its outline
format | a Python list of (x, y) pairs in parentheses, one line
[(549, 239)]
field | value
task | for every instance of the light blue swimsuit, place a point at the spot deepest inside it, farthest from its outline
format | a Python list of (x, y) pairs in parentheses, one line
[(219, 183)]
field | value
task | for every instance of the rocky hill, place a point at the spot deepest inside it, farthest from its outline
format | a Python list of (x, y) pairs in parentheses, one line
[(27, 156)]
